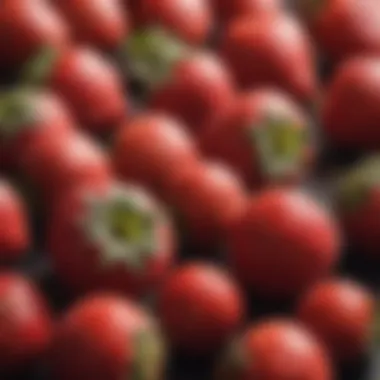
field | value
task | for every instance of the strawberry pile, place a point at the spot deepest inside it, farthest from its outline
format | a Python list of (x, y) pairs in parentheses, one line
[(158, 156)]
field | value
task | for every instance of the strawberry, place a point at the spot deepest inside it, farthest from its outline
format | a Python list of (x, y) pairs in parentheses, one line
[(350, 114), (26, 26), (152, 149), (25, 323), (264, 136), (199, 307), (340, 312), (106, 337), (275, 349), (273, 50), (89, 84), (110, 237), (283, 243)]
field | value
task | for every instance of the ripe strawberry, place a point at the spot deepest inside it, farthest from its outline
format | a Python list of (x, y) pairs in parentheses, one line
[(264, 137), (105, 337), (189, 20), (29, 116), (26, 26), (275, 349), (351, 114), (56, 165), (227, 10), (343, 28), (88, 83), (197, 89), (358, 205), (100, 23), (200, 307), (273, 50), (341, 313), (25, 324), (283, 243), (14, 229), (151, 150), (111, 237), (209, 198)]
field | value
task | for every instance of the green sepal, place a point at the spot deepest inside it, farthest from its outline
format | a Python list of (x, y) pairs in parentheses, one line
[(150, 355), (17, 112), (39, 68), (354, 188), (122, 225), (280, 145), (149, 55)]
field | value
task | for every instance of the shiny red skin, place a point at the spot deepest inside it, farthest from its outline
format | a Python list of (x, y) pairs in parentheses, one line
[(284, 243), (209, 199), (340, 312), (272, 50), (227, 10), (92, 87), (26, 26), (94, 339), (226, 139), (76, 262), (151, 150), (351, 115), (14, 230), (189, 20), (346, 28), (54, 120), (278, 349), (57, 165), (98, 23), (200, 307), (26, 325), (198, 90)]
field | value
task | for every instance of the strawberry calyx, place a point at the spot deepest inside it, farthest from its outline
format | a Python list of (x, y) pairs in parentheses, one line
[(354, 188), (280, 146), (38, 69), (149, 355), (310, 9), (121, 224), (17, 113), (149, 55)]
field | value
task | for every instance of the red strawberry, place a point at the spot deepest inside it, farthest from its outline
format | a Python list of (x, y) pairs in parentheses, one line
[(343, 28), (105, 337), (28, 116), (351, 115), (100, 23), (271, 50), (87, 81), (275, 349), (197, 89), (341, 313), (227, 10), (55, 166), (25, 324), (152, 149), (358, 205), (200, 307), (189, 20), (113, 237), (209, 198), (26, 26), (14, 229), (283, 243), (264, 137)]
